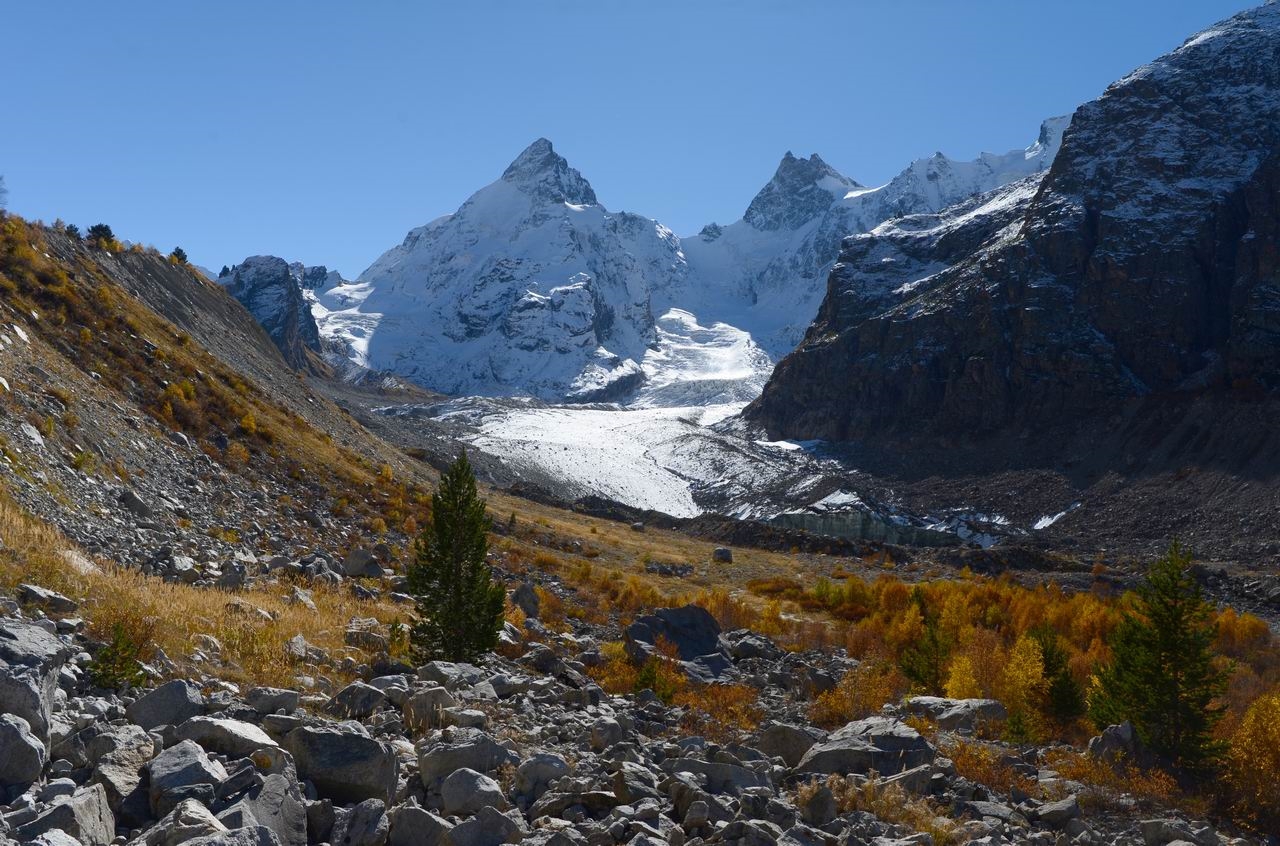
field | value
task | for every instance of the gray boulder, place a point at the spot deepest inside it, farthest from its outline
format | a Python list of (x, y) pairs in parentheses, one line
[(344, 766), (188, 820), (883, 744), (269, 700), (180, 772), (171, 704), (276, 803), (1058, 814), (489, 827), (256, 836), (692, 630), (22, 754), (423, 709), (526, 599), (30, 660), (356, 701), (233, 738), (85, 816), (788, 742), (465, 791), (413, 826), (366, 824), (48, 601), (956, 714), (458, 748), (120, 772), (535, 775)]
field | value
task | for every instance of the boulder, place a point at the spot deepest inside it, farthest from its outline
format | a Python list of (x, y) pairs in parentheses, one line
[(537, 773), (424, 707), (255, 836), (457, 748), (365, 824), (956, 714), (722, 555), (361, 562), (22, 754), (1058, 814), (233, 738), (85, 816), (171, 703), (489, 827), (526, 599), (884, 744), (605, 732), (188, 820), (182, 771), (819, 808), (120, 771), (450, 674), (30, 660), (691, 629), (274, 802), (270, 700), (356, 701), (465, 791), (48, 601), (788, 742), (413, 826), (344, 766)]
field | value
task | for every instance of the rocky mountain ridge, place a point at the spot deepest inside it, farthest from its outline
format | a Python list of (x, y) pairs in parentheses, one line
[(1138, 266)]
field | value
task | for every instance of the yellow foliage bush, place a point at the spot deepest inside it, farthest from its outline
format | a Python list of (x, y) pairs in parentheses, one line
[(961, 681), (861, 692), (720, 712), (1253, 769)]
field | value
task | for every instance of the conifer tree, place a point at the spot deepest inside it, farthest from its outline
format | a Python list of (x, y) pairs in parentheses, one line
[(1163, 677), (460, 607), (924, 662)]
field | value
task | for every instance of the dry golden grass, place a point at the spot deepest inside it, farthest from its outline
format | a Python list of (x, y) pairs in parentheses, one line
[(175, 614), (1107, 785), (888, 802), (985, 764)]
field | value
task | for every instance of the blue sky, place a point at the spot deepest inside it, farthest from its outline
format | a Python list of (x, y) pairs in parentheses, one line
[(323, 131)]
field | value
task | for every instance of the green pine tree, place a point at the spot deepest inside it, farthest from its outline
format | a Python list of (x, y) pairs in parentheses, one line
[(460, 607), (924, 662), (1163, 677), (1064, 698)]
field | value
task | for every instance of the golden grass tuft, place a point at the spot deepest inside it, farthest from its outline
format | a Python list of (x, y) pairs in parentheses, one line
[(175, 614)]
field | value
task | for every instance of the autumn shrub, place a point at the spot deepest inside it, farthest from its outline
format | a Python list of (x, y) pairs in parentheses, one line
[(985, 764), (1110, 785), (719, 712), (861, 692), (1253, 764)]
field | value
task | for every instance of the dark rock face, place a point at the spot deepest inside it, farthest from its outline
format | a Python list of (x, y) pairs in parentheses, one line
[(1144, 263), (801, 189), (269, 288), (542, 172)]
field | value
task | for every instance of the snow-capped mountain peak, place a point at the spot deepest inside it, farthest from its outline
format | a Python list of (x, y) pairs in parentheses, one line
[(800, 190), (544, 174)]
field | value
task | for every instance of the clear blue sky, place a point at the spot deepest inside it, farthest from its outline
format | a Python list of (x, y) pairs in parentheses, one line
[(323, 131)]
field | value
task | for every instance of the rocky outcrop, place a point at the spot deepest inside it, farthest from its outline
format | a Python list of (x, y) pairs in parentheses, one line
[(1143, 264), (271, 289)]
